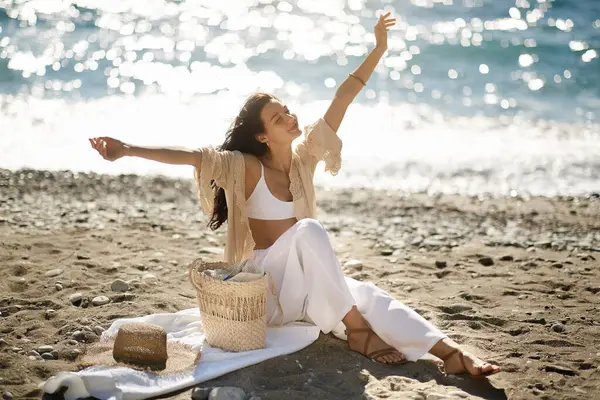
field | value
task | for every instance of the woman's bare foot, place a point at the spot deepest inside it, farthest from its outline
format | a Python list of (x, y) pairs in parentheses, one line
[(367, 343), (459, 362)]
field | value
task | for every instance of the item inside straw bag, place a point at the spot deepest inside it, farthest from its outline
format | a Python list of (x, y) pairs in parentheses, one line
[(232, 301)]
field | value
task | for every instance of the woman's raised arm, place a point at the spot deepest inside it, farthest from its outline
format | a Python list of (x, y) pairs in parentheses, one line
[(352, 85), (112, 149)]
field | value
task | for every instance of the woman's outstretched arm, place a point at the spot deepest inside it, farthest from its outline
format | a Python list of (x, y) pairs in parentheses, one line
[(112, 149), (352, 85)]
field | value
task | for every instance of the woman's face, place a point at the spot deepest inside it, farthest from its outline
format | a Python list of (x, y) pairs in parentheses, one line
[(281, 127)]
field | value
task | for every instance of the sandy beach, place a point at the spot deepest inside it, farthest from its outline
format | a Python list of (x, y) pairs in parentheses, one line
[(515, 279)]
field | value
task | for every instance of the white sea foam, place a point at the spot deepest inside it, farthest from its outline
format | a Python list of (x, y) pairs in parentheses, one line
[(408, 147)]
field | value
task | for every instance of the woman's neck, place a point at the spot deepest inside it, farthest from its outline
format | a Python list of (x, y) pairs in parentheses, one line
[(279, 158)]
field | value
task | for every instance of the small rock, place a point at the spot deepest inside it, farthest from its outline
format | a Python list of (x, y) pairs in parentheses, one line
[(386, 252), (354, 264), (557, 265), (72, 354), (48, 356), (441, 264), (560, 370), (149, 278), (486, 261), (72, 342), (54, 353), (7, 395), (76, 299), (140, 267), (3, 342), (519, 331), (33, 353), (507, 257), (593, 289), (134, 283), (50, 314), (441, 274), (98, 330), (212, 250), (227, 393), (254, 398), (100, 300), (522, 297), (54, 272), (119, 285), (45, 349), (58, 287), (558, 328), (417, 241), (435, 396), (78, 335), (201, 393)]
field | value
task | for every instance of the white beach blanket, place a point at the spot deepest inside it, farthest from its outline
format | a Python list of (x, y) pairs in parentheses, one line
[(121, 383)]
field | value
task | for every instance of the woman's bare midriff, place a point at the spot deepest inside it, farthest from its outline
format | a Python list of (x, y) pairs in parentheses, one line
[(266, 232)]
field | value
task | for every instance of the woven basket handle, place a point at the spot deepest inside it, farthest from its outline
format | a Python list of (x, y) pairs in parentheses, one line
[(191, 276)]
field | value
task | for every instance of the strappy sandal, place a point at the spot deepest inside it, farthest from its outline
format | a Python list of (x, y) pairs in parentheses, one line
[(376, 355), (480, 374)]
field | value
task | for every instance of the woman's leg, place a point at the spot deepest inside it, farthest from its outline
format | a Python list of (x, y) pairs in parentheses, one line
[(329, 298), (396, 323), (311, 286)]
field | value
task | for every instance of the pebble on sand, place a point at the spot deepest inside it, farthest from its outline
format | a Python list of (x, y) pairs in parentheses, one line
[(50, 314), (227, 393), (354, 264), (558, 328), (98, 330), (201, 393), (45, 349), (76, 298), (54, 272), (100, 300), (441, 264), (486, 261), (119, 285), (149, 278)]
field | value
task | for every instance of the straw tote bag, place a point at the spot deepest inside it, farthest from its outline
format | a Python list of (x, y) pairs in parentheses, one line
[(234, 314)]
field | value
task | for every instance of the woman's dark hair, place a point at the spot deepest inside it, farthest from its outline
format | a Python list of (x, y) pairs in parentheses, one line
[(241, 136)]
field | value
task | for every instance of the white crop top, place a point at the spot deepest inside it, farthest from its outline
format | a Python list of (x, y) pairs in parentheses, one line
[(263, 205)]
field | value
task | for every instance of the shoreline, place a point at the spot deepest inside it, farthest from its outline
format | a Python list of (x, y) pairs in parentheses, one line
[(531, 310)]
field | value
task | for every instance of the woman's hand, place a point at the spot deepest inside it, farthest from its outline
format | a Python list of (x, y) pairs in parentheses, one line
[(381, 28), (110, 149)]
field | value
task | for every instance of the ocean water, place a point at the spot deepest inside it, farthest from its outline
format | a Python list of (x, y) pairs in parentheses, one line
[(474, 96)]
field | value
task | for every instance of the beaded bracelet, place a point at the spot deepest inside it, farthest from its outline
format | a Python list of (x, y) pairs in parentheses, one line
[(359, 79)]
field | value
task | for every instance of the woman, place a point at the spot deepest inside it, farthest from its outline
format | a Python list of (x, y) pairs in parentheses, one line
[(264, 189)]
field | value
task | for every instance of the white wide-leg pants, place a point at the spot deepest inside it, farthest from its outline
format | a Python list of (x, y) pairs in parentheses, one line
[(312, 287)]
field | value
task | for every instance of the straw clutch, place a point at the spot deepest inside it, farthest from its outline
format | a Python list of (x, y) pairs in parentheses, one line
[(234, 314)]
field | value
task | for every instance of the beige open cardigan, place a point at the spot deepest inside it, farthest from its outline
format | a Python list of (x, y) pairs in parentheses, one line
[(227, 169)]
